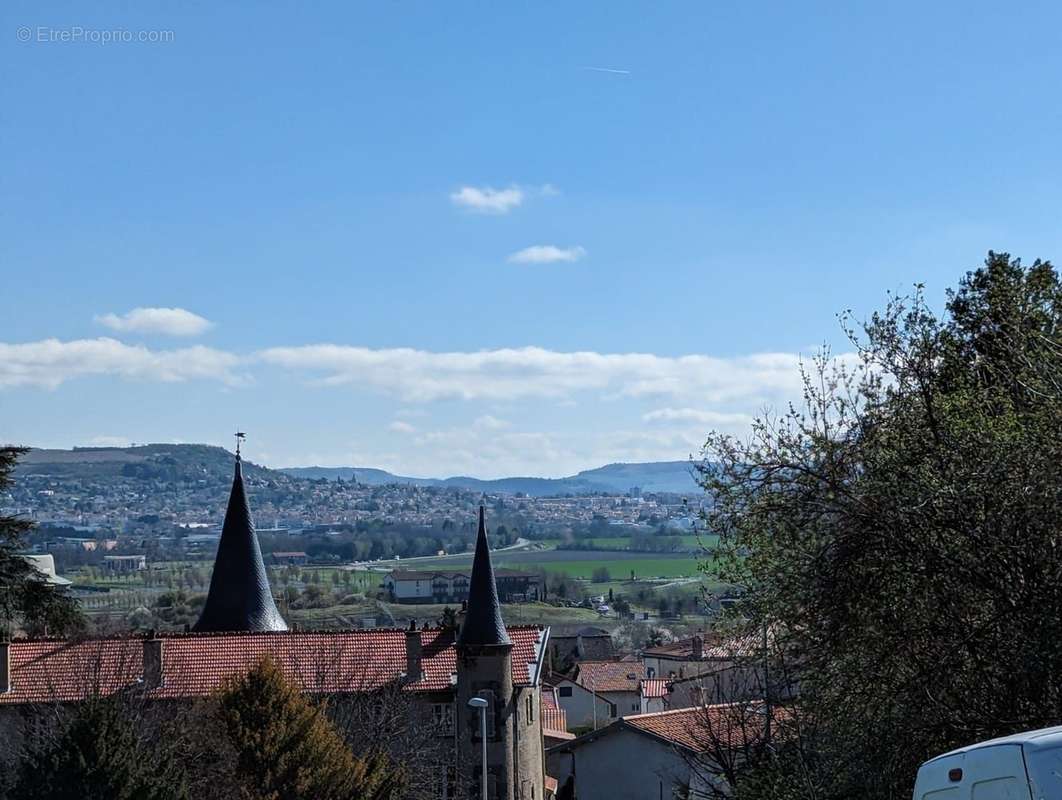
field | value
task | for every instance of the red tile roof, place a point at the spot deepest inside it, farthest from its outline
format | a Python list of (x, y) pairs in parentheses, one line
[(701, 727), (610, 676), (49, 670), (713, 648)]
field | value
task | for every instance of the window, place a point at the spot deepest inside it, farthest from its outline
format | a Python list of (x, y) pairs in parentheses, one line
[(565, 691), (530, 710), (636, 707), (442, 717)]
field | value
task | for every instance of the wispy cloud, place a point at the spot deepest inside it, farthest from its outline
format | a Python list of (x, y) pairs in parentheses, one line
[(487, 200), (696, 416), (165, 321), (609, 70), (489, 423), (547, 254), (511, 373), (50, 362), (398, 426)]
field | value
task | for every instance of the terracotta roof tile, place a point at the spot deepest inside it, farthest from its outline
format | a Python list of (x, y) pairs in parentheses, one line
[(712, 648), (731, 724), (197, 664), (610, 676)]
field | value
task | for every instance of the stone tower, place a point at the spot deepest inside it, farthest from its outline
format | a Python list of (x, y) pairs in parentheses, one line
[(484, 669)]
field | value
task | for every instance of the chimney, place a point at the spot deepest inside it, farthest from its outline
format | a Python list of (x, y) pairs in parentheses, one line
[(414, 668), (698, 648), (153, 664), (5, 666)]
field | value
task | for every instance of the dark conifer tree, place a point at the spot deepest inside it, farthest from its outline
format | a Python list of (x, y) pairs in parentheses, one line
[(28, 604), (286, 748), (98, 754)]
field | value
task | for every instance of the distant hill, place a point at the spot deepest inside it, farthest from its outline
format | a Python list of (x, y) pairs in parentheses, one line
[(168, 462), (190, 462), (658, 476)]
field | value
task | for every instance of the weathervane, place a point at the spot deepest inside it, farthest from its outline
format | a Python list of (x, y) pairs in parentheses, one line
[(240, 436)]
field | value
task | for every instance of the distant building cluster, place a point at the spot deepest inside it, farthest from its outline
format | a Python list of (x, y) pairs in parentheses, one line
[(452, 587), (188, 509)]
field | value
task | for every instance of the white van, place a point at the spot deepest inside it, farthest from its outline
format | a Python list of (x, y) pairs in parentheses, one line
[(1026, 766)]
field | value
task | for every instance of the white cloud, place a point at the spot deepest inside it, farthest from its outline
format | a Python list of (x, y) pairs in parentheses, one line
[(165, 321), (485, 200), (489, 423), (511, 373), (489, 454), (695, 415), (398, 426), (50, 362), (547, 254)]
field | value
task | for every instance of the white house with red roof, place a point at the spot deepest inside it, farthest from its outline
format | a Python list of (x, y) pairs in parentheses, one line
[(619, 682), (650, 756)]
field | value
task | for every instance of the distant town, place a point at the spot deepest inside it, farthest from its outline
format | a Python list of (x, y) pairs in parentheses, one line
[(181, 500)]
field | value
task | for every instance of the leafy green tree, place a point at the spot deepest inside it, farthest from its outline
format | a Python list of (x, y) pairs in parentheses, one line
[(27, 602), (98, 754), (286, 748), (901, 532)]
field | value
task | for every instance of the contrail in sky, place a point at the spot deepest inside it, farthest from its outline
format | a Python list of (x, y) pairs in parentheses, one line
[(606, 69)]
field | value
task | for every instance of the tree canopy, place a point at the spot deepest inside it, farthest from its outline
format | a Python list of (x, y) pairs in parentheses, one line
[(901, 532), (286, 748), (98, 754), (27, 602)]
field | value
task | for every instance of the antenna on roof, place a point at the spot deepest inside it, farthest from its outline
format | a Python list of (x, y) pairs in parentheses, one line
[(240, 436)]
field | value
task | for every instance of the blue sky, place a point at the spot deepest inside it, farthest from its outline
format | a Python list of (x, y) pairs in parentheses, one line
[(489, 239)]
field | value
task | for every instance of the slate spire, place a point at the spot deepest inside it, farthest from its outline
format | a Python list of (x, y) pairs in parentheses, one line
[(239, 597), (483, 620)]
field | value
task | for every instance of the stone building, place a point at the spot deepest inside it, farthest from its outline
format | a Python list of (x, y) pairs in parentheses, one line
[(438, 669), (413, 586), (585, 644)]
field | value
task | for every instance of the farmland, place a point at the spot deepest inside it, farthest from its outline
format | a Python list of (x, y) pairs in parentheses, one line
[(347, 595)]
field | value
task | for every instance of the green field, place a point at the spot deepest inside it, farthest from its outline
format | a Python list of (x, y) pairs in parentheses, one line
[(620, 569), (691, 541), (515, 614), (575, 563)]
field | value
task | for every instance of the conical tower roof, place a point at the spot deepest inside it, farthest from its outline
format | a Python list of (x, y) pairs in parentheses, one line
[(239, 597), (483, 620)]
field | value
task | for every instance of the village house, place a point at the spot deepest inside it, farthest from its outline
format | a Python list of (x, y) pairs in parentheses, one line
[(587, 643), (656, 755), (583, 709), (295, 558), (697, 673), (619, 682), (411, 586)]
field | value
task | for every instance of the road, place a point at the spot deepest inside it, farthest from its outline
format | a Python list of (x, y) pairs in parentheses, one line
[(389, 564)]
